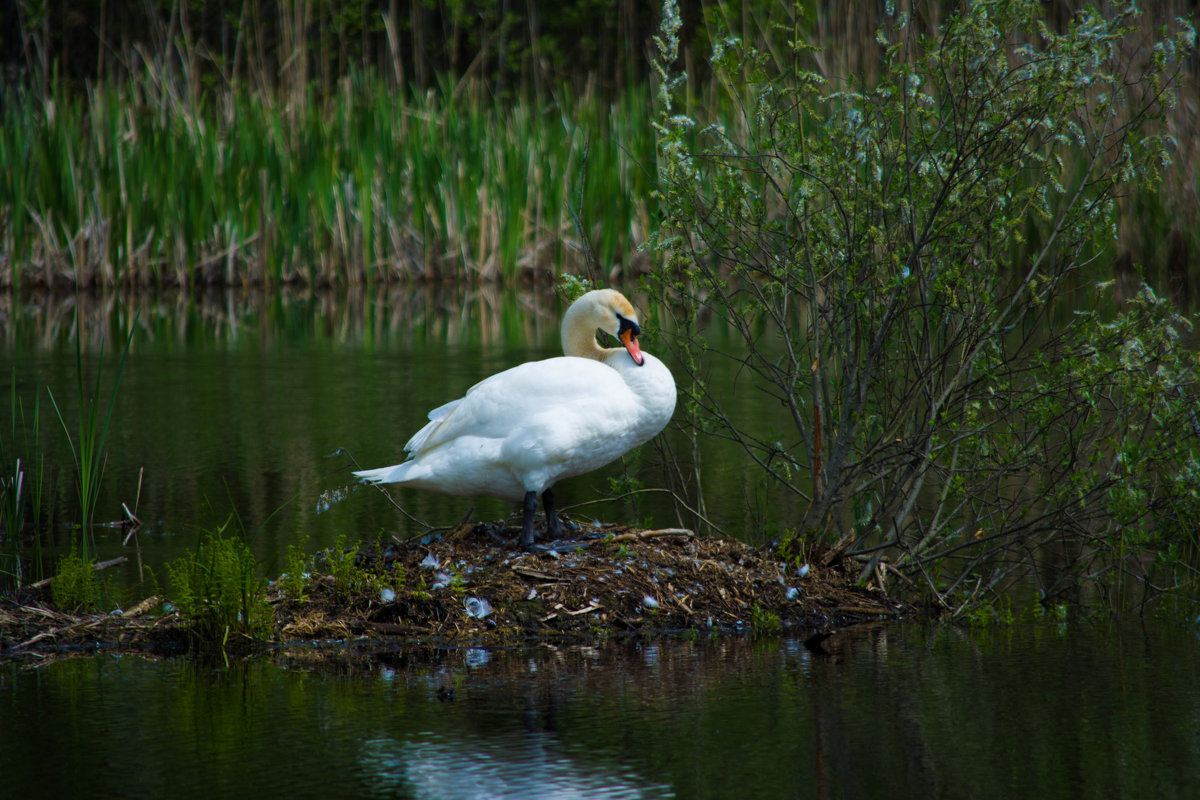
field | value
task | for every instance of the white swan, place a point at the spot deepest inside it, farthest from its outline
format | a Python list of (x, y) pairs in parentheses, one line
[(515, 434)]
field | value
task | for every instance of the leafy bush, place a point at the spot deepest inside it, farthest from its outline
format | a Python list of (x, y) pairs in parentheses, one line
[(906, 263), (217, 589)]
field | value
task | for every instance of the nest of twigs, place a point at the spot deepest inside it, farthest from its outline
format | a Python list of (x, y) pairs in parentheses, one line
[(474, 584)]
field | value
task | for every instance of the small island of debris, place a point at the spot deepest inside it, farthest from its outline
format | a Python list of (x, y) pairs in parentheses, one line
[(472, 584)]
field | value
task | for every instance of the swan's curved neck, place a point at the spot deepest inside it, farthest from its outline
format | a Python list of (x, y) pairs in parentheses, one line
[(579, 338), (581, 342)]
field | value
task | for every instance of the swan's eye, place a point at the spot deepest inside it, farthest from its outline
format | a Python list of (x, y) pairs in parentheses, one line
[(627, 325)]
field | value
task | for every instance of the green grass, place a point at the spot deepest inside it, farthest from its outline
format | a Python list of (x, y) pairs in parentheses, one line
[(128, 185), (183, 174)]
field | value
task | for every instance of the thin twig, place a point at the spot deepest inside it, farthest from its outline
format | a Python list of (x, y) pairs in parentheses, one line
[(675, 496)]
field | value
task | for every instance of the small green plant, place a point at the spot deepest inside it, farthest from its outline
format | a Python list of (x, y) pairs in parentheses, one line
[(627, 488), (75, 586), (348, 578), (352, 579), (764, 622), (217, 588), (294, 580), (395, 579)]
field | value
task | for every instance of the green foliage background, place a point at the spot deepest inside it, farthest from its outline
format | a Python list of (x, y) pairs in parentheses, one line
[(908, 262), (919, 216)]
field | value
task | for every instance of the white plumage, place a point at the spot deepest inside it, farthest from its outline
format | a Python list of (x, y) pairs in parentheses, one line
[(515, 434)]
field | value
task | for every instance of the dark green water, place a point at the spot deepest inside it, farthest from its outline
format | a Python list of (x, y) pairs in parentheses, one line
[(899, 711), (255, 406), (233, 404)]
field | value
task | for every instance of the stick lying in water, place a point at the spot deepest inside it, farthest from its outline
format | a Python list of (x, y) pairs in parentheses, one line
[(99, 565)]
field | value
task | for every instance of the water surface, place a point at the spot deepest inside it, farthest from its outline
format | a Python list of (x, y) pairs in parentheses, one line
[(903, 710), (253, 410)]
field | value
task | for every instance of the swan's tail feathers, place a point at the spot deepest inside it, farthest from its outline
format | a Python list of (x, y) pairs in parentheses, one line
[(436, 418), (393, 474)]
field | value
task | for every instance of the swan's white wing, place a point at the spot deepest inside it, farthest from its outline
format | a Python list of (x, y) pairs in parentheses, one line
[(504, 402), (417, 442)]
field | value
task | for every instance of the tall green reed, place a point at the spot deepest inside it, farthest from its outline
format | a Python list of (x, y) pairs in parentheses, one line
[(165, 178), (129, 185), (22, 484), (87, 448)]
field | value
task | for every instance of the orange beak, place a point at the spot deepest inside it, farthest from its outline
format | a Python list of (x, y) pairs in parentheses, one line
[(631, 344)]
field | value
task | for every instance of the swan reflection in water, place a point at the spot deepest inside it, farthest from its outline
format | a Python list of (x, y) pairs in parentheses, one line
[(432, 768)]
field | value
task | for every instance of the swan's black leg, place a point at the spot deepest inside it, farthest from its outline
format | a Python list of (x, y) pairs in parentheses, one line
[(553, 528), (527, 524)]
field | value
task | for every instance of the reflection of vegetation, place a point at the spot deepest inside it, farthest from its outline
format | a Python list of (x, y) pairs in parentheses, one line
[(908, 242), (218, 590), (726, 720), (445, 313)]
